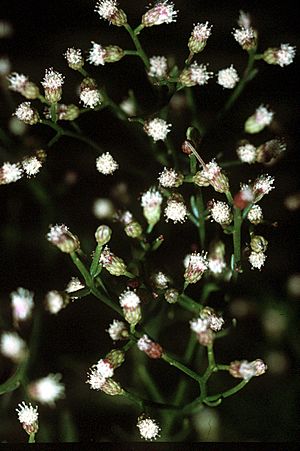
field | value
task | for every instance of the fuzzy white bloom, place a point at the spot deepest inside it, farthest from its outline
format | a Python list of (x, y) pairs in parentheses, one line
[(106, 8), (216, 322), (17, 82), (199, 73), (95, 379), (128, 106), (244, 35), (31, 166), (221, 212), (285, 55), (157, 128), (228, 78), (160, 280), (195, 266), (129, 299), (90, 97), (106, 164), (73, 56), (25, 113), (211, 170), (216, 265), (263, 116), (10, 172), (162, 12), (22, 304), (74, 285), (158, 66), (116, 329), (47, 390), (257, 260), (199, 325), (244, 20), (103, 208), (96, 54), (247, 153), (255, 214), (54, 301), (262, 185), (144, 343), (13, 347), (27, 414), (246, 370), (201, 32), (105, 368), (53, 80), (176, 211), (168, 178), (151, 198), (148, 428)]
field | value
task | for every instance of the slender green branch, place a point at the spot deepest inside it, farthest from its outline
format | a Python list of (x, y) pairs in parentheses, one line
[(180, 366), (95, 262), (226, 393), (138, 46)]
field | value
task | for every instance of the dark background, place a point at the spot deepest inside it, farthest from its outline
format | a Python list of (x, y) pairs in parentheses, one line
[(68, 184)]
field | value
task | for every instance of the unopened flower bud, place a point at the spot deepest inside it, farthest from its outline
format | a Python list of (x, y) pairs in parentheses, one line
[(259, 120), (103, 234), (270, 150), (61, 237), (133, 229), (258, 243), (70, 112), (115, 357), (199, 36), (197, 265), (113, 264), (171, 295), (200, 180), (111, 387), (152, 349), (206, 338), (113, 53)]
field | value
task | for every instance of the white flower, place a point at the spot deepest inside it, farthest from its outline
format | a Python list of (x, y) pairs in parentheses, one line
[(27, 414), (31, 165), (52, 80), (22, 304), (228, 78), (106, 164), (262, 185), (95, 379), (257, 260), (160, 280), (106, 8), (54, 301), (158, 66), (176, 211), (286, 54), (74, 58), (128, 106), (96, 54), (13, 347), (116, 329), (201, 31), (199, 325), (74, 285), (148, 428), (199, 73), (105, 368), (17, 82), (195, 266), (157, 128), (263, 116), (103, 208), (10, 172), (244, 36), (221, 212), (151, 198), (47, 390), (90, 97), (255, 214), (247, 153), (216, 323), (26, 113), (216, 265), (168, 178), (129, 299), (162, 12)]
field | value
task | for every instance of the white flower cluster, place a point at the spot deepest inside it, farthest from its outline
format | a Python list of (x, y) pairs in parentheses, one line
[(106, 164)]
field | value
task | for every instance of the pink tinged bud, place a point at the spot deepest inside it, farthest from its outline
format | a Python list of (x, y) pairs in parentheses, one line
[(149, 347), (206, 338), (113, 264), (62, 238), (162, 12), (197, 265), (199, 36), (133, 229)]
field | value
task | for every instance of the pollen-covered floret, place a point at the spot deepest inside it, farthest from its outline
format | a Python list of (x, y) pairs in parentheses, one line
[(31, 166), (26, 113), (255, 214), (129, 299), (106, 164), (149, 429), (176, 211), (90, 97), (199, 73), (47, 390), (27, 414), (10, 172), (257, 260), (96, 54), (157, 128), (105, 368), (167, 178), (246, 37), (117, 330), (282, 56), (162, 12), (247, 153), (228, 78), (53, 80), (221, 212), (74, 58), (95, 379), (158, 66)]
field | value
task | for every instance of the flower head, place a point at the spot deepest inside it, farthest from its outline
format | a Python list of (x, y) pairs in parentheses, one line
[(10, 172), (158, 66), (32, 165), (129, 299), (52, 84), (106, 164), (157, 128), (169, 178), (108, 10), (175, 210), (97, 54), (162, 12), (17, 82), (246, 37), (152, 349), (246, 370), (22, 304), (197, 265), (148, 428), (74, 58), (228, 78), (221, 212), (117, 330), (262, 185), (105, 368), (61, 237), (160, 280), (214, 175), (74, 285), (270, 150), (282, 56), (13, 347), (255, 214), (27, 114), (259, 120), (113, 264), (247, 153), (199, 36), (257, 260), (47, 390), (151, 202), (56, 301), (195, 74), (28, 417)]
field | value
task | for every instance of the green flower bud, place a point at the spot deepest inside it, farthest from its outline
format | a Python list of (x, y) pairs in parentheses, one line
[(116, 357), (113, 264), (111, 387), (171, 295), (258, 243), (113, 53), (133, 229), (103, 234), (31, 90)]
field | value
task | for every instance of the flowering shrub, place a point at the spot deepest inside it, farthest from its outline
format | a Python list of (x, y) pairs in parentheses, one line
[(209, 225)]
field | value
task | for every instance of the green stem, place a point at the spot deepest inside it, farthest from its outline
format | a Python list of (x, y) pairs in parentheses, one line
[(138, 46), (189, 304), (130, 52), (95, 262), (227, 393), (180, 366), (31, 438), (237, 241), (53, 112)]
